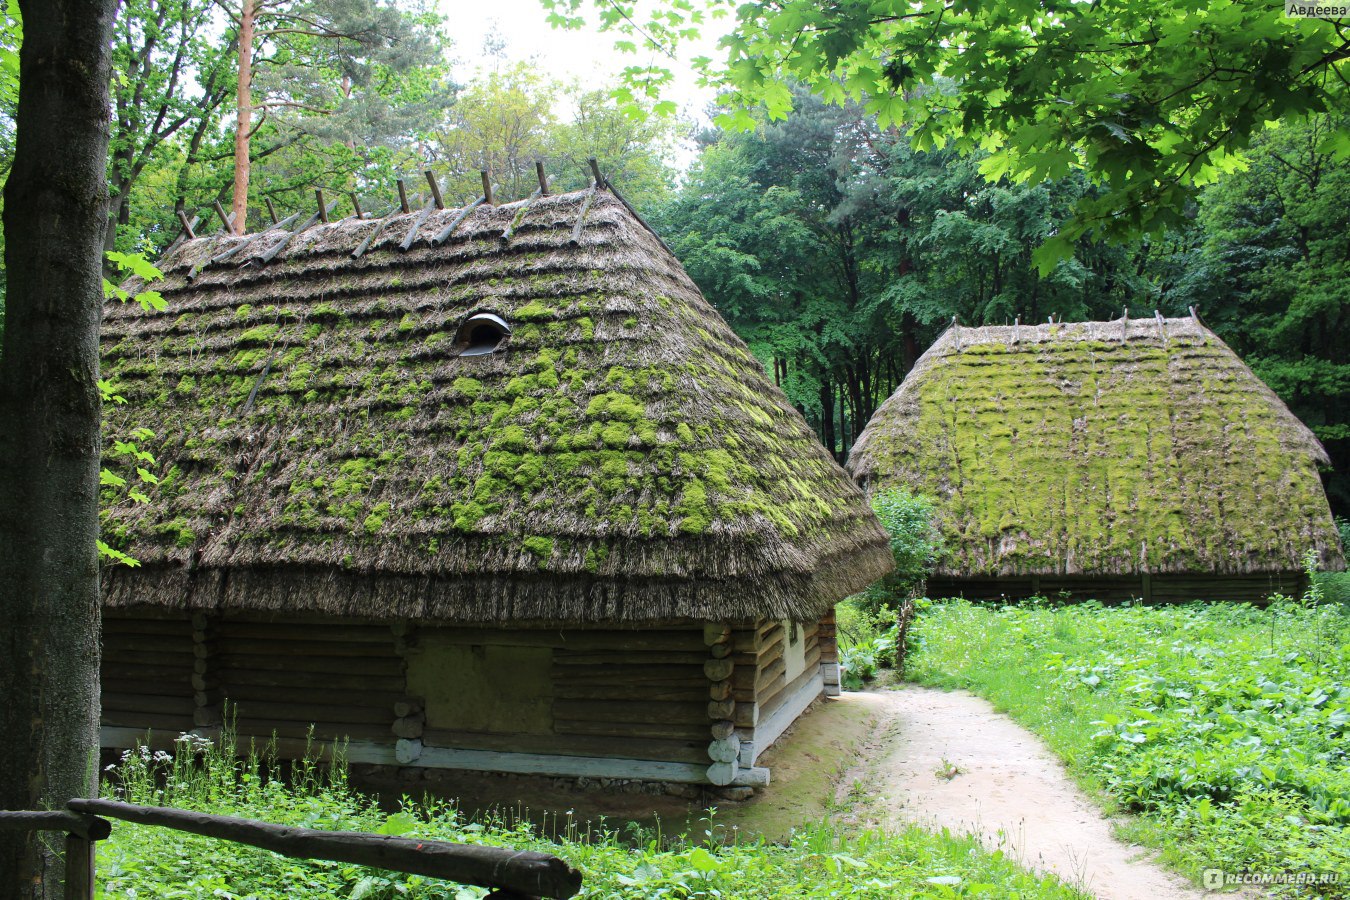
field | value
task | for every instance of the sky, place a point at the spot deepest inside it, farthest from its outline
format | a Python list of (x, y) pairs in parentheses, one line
[(587, 55)]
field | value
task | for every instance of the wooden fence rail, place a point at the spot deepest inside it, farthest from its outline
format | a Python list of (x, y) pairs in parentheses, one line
[(514, 874)]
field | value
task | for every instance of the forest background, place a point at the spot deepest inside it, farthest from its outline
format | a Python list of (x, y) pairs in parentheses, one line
[(832, 246)]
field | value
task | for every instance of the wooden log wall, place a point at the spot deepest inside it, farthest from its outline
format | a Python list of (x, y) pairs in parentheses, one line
[(147, 670), (675, 693), (1174, 588), (282, 675)]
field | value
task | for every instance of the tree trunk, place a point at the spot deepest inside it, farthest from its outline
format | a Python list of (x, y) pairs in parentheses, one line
[(56, 207), (244, 122)]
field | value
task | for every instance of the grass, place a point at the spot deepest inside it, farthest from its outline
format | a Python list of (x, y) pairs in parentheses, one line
[(618, 862), (1223, 728)]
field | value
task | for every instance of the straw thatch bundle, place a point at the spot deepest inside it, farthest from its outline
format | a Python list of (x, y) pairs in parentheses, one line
[(1098, 448), (621, 458)]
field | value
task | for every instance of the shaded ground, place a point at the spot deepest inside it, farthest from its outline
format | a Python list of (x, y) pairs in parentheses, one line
[(947, 760)]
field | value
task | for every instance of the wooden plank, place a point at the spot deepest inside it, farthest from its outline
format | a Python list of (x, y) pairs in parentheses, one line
[(667, 676), (117, 627), (372, 665), (669, 730), (350, 650), (131, 657), (639, 692), (141, 721), (151, 703), (671, 750), (394, 684), (654, 658), (775, 724), (303, 695), (561, 766), (305, 632), (630, 712), (774, 694), (261, 731), (304, 712), (141, 672)]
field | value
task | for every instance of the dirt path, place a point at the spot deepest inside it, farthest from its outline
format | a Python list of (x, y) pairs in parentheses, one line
[(1007, 788)]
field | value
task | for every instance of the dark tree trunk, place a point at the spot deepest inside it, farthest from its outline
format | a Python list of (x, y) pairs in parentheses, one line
[(827, 417), (56, 207)]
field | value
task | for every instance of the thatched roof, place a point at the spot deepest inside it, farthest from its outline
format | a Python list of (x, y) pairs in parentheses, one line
[(1101, 448), (325, 447)]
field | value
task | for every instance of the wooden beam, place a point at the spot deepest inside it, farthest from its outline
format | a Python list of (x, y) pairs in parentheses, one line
[(91, 828), (777, 722), (403, 197), (487, 187), (435, 189), (524, 871)]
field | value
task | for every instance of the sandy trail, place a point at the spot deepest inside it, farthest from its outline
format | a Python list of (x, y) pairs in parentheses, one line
[(1010, 791)]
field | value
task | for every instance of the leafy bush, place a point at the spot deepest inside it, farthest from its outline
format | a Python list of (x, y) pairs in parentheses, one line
[(915, 544), (819, 862), (1225, 727)]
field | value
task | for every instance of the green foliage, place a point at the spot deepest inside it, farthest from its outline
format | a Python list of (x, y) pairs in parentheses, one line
[(915, 542), (817, 863), (1223, 726), (1151, 100), (1272, 272)]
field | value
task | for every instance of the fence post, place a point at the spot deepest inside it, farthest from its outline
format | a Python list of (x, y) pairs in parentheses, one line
[(79, 868)]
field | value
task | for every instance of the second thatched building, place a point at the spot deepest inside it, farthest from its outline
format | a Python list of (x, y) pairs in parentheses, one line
[(1138, 458)]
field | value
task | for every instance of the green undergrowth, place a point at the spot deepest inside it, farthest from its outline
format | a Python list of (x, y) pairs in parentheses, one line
[(618, 861), (1224, 728)]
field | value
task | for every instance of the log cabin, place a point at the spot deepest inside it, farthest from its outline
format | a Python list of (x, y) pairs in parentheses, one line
[(1132, 459), (491, 488)]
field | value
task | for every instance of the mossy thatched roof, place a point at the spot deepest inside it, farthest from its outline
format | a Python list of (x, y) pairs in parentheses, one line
[(1101, 448), (323, 446)]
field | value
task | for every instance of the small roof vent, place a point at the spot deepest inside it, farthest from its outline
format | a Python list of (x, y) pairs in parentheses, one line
[(482, 333)]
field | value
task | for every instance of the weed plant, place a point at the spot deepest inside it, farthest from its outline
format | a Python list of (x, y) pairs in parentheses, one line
[(818, 862), (1225, 728)]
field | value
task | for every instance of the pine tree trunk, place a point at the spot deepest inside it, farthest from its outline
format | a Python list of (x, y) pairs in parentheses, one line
[(244, 121), (55, 216)]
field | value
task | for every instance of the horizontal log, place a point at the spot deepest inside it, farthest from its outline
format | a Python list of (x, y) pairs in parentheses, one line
[(303, 695), (337, 665), (723, 729), (637, 692), (262, 730), (770, 705), (747, 714), (167, 687), (142, 721), (90, 828), (720, 651), (309, 632), (716, 633), (153, 703), (355, 651), (573, 641), (611, 657), (670, 730), (141, 672), (523, 871), (629, 674), (770, 678), (180, 657), (719, 690), (721, 709), (629, 712), (392, 684), (117, 627), (690, 750), (326, 713)]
